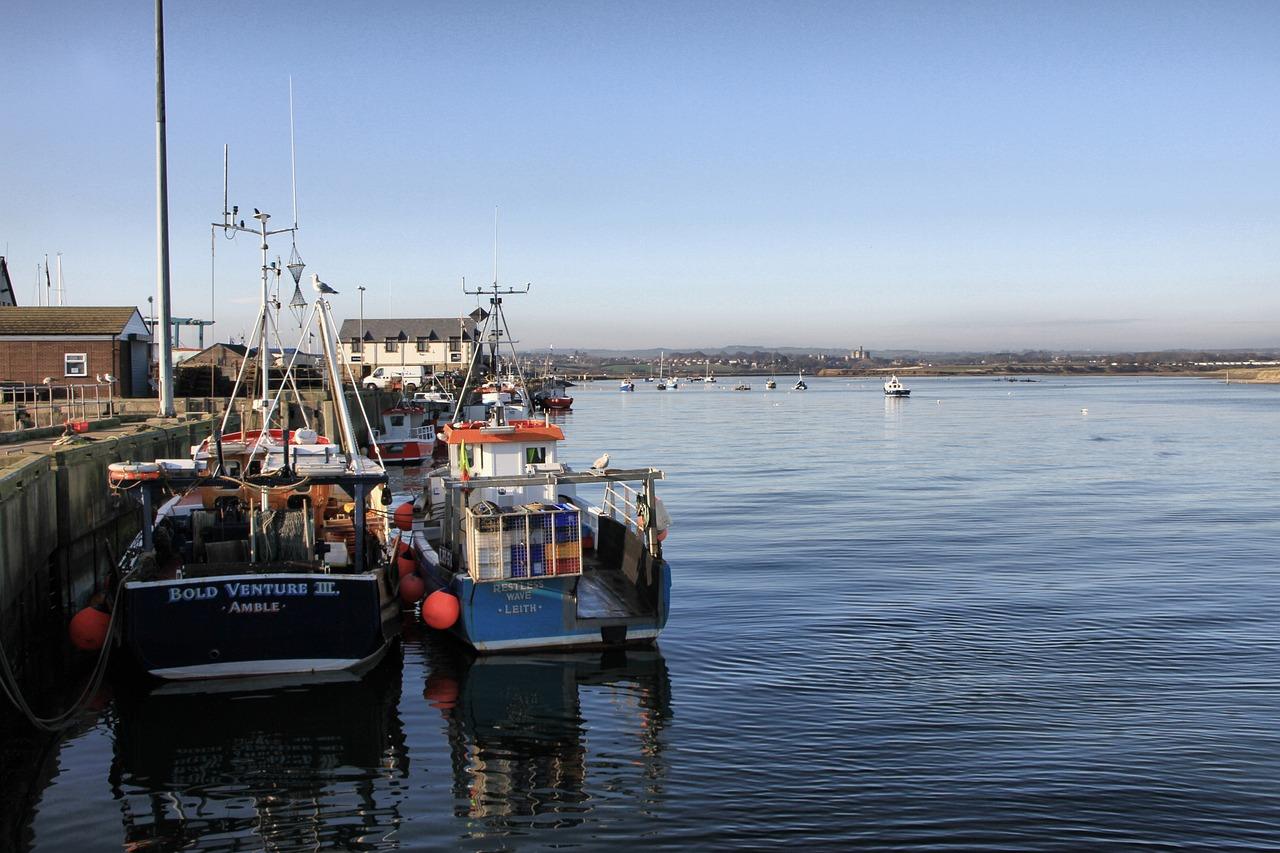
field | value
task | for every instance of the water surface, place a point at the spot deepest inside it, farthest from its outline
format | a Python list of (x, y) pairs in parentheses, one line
[(1023, 616)]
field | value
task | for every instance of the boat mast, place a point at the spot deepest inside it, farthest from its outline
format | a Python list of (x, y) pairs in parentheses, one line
[(162, 228)]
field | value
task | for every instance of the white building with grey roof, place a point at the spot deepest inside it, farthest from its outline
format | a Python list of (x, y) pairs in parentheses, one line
[(438, 343)]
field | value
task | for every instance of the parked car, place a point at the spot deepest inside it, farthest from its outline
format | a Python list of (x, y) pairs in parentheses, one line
[(408, 378)]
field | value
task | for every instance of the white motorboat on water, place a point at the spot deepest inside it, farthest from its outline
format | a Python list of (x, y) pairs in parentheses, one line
[(894, 388)]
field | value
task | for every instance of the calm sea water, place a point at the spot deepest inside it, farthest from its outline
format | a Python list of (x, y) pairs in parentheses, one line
[(1020, 616)]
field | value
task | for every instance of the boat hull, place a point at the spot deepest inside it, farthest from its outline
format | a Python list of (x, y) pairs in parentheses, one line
[(525, 614), (234, 626), (404, 452), (905, 393)]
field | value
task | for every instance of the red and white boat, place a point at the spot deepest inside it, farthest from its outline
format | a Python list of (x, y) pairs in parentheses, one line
[(407, 435)]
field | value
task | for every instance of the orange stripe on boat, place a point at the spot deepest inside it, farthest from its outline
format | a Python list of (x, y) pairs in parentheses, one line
[(475, 432)]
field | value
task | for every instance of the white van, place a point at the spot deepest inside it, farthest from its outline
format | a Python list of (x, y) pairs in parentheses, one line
[(410, 377)]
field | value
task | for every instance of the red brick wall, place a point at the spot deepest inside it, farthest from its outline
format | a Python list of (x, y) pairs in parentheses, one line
[(32, 361)]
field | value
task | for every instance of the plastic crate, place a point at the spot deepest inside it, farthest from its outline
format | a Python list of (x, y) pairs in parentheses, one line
[(528, 561), (571, 566)]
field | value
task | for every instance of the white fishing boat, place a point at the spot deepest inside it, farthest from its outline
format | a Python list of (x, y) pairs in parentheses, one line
[(894, 388), (800, 383)]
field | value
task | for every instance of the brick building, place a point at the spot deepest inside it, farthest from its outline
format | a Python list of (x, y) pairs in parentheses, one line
[(74, 345)]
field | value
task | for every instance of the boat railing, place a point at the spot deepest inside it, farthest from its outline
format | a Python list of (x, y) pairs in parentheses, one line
[(423, 433), (622, 502)]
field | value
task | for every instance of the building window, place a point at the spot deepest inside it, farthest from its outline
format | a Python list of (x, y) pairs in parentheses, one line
[(422, 344), (357, 345), (75, 364), (390, 345), (455, 356)]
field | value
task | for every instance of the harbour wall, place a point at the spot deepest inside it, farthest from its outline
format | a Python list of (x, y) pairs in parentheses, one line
[(61, 528)]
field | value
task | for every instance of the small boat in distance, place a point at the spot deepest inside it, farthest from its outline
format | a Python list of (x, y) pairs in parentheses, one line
[(742, 387), (710, 377), (894, 388), (627, 385), (800, 386), (771, 384), (662, 383)]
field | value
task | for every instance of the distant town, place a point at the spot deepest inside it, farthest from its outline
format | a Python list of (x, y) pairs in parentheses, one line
[(860, 362)]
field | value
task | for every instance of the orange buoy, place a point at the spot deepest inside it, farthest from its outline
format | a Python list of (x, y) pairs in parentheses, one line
[(88, 629), (406, 562), (411, 589), (440, 610), (404, 516)]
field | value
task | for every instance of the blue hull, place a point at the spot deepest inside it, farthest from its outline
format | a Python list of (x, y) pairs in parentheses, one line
[(543, 613)]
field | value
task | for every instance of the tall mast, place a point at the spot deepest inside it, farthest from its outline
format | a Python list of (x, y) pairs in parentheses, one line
[(162, 227)]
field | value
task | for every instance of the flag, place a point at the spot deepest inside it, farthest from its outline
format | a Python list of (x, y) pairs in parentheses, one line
[(464, 466)]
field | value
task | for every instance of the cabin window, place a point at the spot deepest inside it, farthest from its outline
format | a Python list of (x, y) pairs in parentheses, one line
[(390, 345), (535, 455), (75, 364), (422, 344), (357, 345), (397, 420)]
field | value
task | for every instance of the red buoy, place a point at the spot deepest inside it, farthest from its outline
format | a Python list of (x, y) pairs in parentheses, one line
[(88, 629), (406, 563), (440, 610), (404, 516), (411, 589)]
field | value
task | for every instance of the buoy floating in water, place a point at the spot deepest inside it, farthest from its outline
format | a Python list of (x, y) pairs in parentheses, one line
[(440, 610), (88, 629), (411, 589)]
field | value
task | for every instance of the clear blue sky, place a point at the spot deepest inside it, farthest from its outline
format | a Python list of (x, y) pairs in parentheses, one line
[(931, 175)]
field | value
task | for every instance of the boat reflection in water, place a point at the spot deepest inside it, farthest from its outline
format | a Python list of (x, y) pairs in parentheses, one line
[(518, 734), (309, 767)]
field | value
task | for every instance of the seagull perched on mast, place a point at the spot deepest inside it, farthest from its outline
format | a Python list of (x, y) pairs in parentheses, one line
[(601, 463), (320, 286)]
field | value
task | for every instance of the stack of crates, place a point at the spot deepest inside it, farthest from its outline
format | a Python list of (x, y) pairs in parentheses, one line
[(528, 542), (567, 533)]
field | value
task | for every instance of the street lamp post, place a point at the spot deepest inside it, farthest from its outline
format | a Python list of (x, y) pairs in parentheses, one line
[(364, 356)]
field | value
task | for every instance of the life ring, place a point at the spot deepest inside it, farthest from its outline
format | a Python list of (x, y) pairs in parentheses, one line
[(128, 472)]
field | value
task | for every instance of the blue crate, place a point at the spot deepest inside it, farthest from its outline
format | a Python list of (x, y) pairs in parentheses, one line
[(528, 561)]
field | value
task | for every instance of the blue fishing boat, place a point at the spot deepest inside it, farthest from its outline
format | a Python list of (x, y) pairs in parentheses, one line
[(518, 551), (530, 562)]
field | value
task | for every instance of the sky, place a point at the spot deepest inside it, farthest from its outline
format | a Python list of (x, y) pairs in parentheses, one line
[(924, 175)]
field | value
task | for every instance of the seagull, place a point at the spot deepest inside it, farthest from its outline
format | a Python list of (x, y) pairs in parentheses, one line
[(108, 378), (320, 286), (97, 377), (48, 380), (601, 463)]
